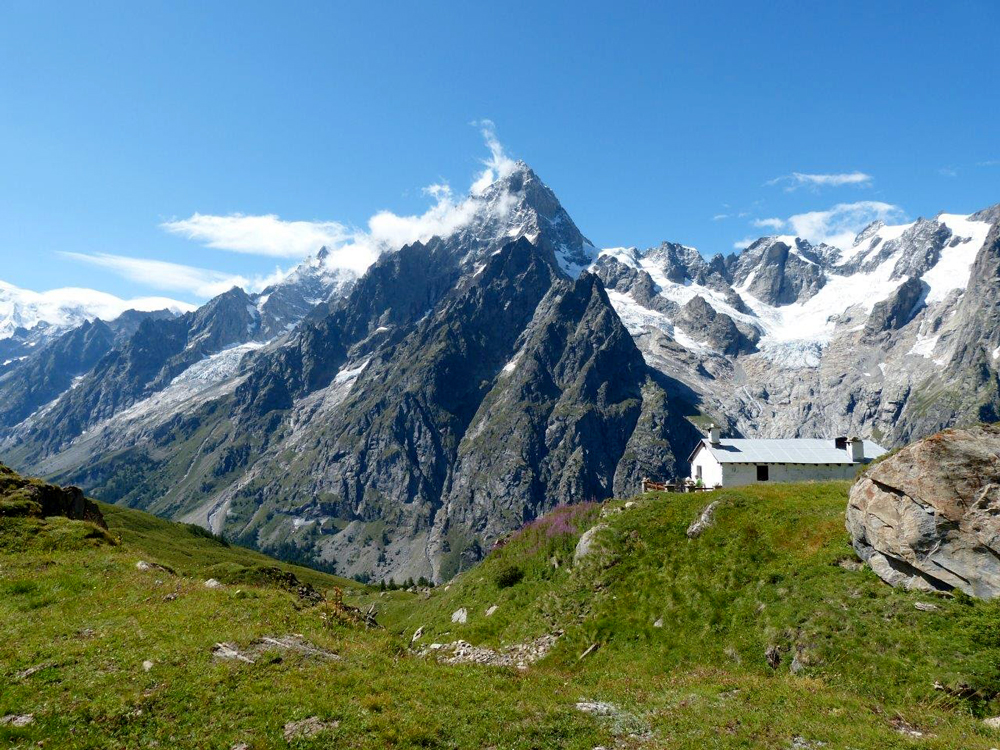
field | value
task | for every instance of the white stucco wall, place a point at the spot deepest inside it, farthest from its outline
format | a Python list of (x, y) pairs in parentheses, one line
[(737, 475), (711, 470)]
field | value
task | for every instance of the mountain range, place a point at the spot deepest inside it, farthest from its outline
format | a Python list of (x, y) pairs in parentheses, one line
[(398, 423)]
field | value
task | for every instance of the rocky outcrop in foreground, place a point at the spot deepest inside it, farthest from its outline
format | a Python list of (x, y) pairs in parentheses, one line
[(928, 517), (31, 497)]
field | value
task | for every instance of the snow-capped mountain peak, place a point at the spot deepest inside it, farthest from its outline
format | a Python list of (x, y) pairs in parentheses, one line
[(60, 309), (518, 204)]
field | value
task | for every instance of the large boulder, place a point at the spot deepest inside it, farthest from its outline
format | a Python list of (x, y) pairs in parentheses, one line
[(928, 517)]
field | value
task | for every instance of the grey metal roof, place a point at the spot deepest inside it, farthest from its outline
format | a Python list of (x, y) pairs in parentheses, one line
[(791, 451)]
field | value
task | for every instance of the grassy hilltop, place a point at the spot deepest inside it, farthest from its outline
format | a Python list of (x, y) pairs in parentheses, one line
[(677, 633)]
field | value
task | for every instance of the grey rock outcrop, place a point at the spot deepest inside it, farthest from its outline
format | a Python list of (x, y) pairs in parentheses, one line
[(928, 517), (700, 320), (778, 274), (897, 310)]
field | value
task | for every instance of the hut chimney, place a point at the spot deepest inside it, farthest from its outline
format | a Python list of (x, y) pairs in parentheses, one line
[(714, 434), (856, 449)]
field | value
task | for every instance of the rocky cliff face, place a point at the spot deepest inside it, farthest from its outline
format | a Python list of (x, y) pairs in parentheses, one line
[(780, 270)]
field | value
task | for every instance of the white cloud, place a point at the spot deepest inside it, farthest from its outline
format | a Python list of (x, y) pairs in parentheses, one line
[(990, 163), (259, 235), (744, 243), (351, 248), (720, 217), (948, 172), (160, 274), (498, 166), (769, 223), (839, 225), (795, 180)]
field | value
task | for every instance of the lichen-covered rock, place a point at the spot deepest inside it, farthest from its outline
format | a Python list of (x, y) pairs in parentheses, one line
[(703, 521), (587, 543), (928, 517)]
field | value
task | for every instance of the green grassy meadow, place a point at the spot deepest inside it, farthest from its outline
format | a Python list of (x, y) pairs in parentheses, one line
[(102, 654)]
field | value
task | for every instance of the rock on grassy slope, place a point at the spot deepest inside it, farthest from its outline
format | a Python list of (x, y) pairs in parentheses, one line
[(677, 634), (710, 641), (926, 517)]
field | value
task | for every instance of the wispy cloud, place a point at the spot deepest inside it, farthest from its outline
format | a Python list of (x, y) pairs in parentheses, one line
[(989, 163), (498, 166), (948, 172), (720, 217), (839, 225), (259, 235), (351, 248), (175, 277), (744, 243), (796, 180), (774, 223)]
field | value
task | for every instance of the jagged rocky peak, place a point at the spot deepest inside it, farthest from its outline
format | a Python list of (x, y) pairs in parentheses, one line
[(780, 270), (990, 215), (519, 204), (702, 322), (229, 318), (679, 263), (313, 282)]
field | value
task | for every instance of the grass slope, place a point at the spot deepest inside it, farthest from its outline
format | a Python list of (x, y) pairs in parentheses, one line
[(190, 550), (765, 575)]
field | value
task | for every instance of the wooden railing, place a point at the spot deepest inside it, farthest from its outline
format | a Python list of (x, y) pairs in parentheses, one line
[(648, 485)]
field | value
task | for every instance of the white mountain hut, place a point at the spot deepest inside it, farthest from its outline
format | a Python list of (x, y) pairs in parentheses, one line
[(736, 462)]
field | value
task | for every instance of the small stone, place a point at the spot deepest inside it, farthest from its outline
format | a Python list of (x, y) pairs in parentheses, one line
[(229, 651), (25, 673), (143, 566), (926, 606), (170, 597), (905, 728), (631, 504), (992, 722), (307, 728), (211, 583), (491, 610), (17, 720), (801, 743), (240, 746), (417, 634), (658, 623), (460, 615), (796, 666), (147, 665), (598, 708), (773, 656)]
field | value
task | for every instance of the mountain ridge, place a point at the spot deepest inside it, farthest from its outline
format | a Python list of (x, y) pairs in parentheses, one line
[(397, 423)]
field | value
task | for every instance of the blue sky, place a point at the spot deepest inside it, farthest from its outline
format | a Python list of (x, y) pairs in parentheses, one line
[(651, 121)]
